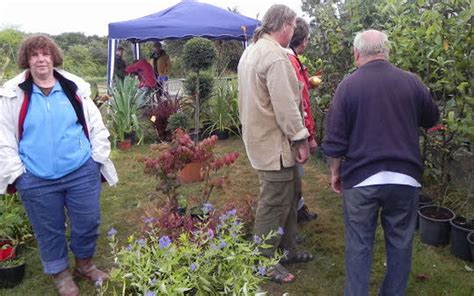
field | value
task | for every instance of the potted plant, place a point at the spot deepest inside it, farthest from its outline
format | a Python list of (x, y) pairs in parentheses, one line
[(14, 225), (223, 113), (12, 272), (7, 250), (463, 224), (126, 103), (470, 239), (199, 54), (176, 157), (178, 120), (159, 115), (435, 223), (14, 230)]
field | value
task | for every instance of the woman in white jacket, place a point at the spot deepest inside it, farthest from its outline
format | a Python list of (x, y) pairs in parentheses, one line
[(54, 149)]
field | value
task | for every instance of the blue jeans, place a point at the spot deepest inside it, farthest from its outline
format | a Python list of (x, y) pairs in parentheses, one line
[(45, 202), (397, 205)]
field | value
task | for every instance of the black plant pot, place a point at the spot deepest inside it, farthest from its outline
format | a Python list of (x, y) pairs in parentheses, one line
[(424, 200), (196, 136), (11, 276), (459, 243), (434, 225), (470, 239), (222, 135)]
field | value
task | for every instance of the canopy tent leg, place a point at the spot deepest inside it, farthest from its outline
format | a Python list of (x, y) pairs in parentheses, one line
[(112, 44)]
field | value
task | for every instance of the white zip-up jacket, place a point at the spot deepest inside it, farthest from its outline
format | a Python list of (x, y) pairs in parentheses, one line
[(11, 101)]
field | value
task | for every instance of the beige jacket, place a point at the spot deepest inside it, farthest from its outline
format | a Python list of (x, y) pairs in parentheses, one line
[(269, 105)]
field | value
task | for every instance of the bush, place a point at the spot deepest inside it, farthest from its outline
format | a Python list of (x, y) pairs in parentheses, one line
[(205, 262), (14, 223), (199, 54), (206, 85)]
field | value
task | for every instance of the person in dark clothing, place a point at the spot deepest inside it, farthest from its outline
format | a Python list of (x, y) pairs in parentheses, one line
[(120, 64), (373, 143)]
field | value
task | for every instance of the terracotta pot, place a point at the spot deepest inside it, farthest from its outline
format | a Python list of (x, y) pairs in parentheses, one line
[(124, 145), (191, 173)]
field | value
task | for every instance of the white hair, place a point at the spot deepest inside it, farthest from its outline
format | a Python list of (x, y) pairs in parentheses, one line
[(367, 45)]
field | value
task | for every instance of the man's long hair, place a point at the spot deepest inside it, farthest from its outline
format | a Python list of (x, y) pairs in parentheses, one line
[(274, 19)]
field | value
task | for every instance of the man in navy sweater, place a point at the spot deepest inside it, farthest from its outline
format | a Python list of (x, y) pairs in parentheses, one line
[(373, 143)]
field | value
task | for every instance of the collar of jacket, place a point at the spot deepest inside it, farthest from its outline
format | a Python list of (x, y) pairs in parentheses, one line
[(69, 88)]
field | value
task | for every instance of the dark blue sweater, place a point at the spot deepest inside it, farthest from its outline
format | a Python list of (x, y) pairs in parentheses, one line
[(373, 122)]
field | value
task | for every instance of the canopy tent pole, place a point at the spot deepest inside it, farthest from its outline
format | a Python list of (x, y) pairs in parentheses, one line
[(112, 44), (136, 50)]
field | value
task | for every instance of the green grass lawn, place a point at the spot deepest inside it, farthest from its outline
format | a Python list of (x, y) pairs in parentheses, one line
[(435, 271)]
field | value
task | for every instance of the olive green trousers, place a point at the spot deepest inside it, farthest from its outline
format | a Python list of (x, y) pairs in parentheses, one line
[(277, 209)]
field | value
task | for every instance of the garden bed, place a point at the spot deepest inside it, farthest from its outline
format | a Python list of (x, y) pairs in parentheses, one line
[(435, 271)]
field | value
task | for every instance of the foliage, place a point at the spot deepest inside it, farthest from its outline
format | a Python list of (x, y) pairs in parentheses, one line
[(160, 114), (9, 42), (199, 54), (178, 120), (205, 262), (12, 262), (228, 54), (79, 60), (14, 223), (172, 158), (206, 85), (125, 107), (333, 27), (433, 39), (223, 113)]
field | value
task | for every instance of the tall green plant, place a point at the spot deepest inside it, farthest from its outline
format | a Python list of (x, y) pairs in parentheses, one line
[(434, 40), (125, 107), (223, 113), (333, 28)]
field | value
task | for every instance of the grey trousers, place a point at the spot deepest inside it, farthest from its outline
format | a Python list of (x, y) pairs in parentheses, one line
[(397, 205), (277, 209)]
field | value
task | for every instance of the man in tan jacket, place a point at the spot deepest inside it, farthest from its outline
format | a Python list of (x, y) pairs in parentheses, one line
[(273, 131)]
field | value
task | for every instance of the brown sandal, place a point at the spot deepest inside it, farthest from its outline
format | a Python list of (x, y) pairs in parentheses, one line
[(279, 274), (65, 284)]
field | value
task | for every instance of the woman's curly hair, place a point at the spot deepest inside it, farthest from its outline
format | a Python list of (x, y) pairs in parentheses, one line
[(38, 42)]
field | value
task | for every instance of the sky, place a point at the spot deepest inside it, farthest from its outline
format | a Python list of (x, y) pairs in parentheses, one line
[(92, 17)]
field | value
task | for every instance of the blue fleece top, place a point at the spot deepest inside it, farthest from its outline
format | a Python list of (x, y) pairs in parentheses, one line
[(53, 143), (373, 122)]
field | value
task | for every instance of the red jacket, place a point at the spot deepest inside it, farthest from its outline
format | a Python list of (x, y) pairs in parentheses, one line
[(144, 71), (302, 75)]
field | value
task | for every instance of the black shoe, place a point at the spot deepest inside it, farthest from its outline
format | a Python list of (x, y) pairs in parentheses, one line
[(304, 215)]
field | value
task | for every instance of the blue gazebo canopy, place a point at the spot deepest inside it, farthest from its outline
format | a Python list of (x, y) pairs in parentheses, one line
[(185, 20)]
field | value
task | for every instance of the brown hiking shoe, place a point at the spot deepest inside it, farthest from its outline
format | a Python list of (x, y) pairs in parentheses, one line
[(86, 269), (65, 284)]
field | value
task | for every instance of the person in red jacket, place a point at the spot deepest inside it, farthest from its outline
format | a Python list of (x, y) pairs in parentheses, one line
[(145, 73), (298, 44)]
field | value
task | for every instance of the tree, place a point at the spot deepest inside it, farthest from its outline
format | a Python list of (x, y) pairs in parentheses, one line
[(199, 54), (10, 40), (434, 40)]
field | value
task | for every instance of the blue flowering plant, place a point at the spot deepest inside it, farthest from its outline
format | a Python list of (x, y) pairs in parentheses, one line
[(207, 261)]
